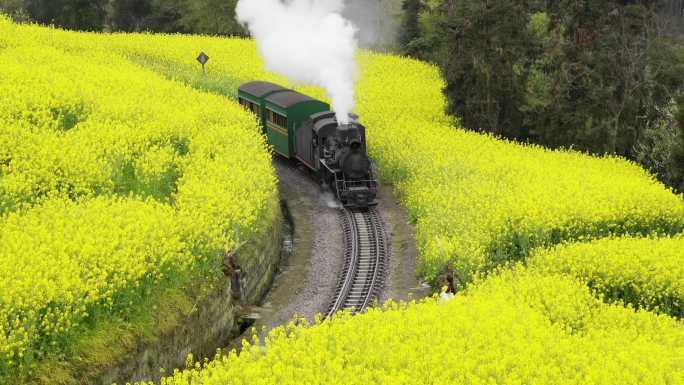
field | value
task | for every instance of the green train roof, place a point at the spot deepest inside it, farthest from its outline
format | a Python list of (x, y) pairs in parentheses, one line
[(259, 88), (288, 99)]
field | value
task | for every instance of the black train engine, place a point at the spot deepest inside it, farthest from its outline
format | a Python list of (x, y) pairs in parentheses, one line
[(337, 152)]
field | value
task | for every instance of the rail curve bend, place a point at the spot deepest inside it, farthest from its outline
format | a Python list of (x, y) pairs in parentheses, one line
[(366, 253)]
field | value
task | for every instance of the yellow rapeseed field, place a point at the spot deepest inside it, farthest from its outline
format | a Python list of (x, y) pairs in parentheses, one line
[(478, 201), (642, 272), (113, 180), (516, 328), (115, 135)]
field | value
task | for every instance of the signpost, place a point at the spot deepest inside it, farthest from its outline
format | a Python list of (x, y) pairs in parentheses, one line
[(203, 59)]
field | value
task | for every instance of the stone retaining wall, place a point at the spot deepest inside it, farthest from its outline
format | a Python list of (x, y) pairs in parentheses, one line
[(213, 321)]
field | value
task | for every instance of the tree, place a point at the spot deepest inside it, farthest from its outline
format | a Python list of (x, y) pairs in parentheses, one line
[(88, 15), (129, 15), (607, 95), (676, 164), (213, 17), (671, 16), (15, 9), (487, 41), (563, 73), (598, 76), (409, 32)]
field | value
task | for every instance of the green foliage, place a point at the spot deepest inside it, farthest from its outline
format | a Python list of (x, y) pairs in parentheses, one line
[(409, 31), (214, 17), (75, 14), (128, 15), (487, 44), (661, 147), (596, 76), (14, 9)]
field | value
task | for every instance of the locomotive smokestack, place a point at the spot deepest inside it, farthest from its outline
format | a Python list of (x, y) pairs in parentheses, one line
[(308, 41), (352, 122)]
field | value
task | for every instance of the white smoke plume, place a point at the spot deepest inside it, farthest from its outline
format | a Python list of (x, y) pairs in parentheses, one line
[(309, 42)]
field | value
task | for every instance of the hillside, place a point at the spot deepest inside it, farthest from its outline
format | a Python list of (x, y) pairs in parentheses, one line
[(482, 206)]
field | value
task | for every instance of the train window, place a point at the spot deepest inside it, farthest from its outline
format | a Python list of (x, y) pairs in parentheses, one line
[(250, 106), (277, 119)]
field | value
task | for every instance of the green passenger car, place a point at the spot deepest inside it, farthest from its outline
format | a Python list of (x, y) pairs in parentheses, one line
[(281, 112)]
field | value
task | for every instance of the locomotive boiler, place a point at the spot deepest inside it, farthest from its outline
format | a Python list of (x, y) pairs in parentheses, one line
[(304, 129)]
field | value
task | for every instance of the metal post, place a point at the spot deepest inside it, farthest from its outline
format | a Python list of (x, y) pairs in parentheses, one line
[(203, 58)]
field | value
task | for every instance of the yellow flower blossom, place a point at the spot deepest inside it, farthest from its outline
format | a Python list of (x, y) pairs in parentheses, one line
[(113, 180)]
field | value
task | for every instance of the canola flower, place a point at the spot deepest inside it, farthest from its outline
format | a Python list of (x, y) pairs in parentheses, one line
[(517, 327), (478, 201), (113, 181), (642, 272), (67, 258)]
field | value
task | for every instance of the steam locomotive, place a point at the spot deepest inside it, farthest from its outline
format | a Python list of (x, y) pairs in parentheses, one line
[(304, 129)]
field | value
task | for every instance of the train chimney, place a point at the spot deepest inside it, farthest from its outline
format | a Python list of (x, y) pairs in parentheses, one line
[(353, 122)]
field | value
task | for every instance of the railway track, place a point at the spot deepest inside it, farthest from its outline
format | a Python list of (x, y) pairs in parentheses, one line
[(365, 255)]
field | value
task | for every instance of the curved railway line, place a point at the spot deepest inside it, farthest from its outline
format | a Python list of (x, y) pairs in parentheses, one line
[(366, 253)]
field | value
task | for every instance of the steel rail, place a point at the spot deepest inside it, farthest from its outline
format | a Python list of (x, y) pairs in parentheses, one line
[(374, 288), (365, 254)]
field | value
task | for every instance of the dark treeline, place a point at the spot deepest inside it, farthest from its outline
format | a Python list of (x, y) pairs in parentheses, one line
[(216, 17), (598, 76)]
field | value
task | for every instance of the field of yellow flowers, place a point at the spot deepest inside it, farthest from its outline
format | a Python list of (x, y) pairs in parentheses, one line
[(113, 181), (641, 272), (518, 327), (479, 203)]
